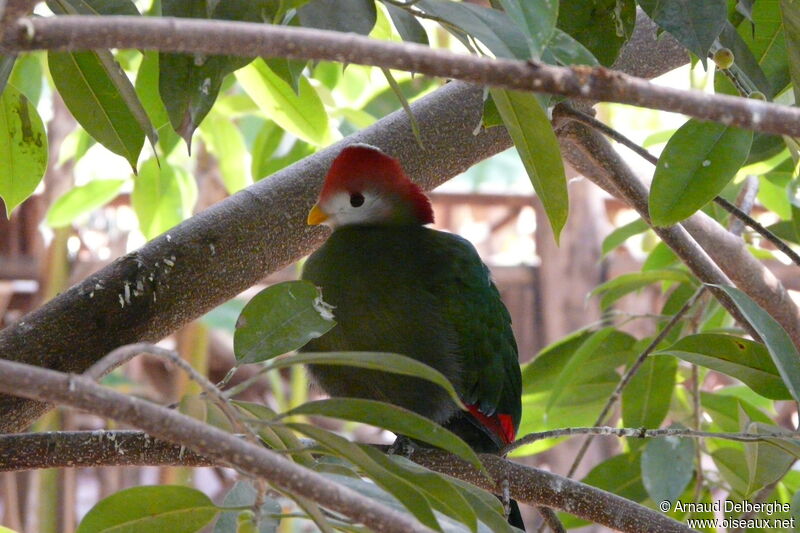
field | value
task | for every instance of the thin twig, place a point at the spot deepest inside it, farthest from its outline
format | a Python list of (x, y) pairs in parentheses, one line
[(583, 118), (696, 418), (255, 460), (760, 229), (642, 433), (124, 354), (528, 485), (551, 519), (628, 376)]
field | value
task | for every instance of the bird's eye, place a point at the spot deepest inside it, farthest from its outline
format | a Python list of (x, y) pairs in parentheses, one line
[(356, 199)]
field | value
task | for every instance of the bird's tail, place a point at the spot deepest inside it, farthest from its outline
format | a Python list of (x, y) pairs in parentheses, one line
[(514, 516)]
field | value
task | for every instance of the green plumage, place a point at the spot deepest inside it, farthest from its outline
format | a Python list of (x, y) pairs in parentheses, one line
[(422, 293)]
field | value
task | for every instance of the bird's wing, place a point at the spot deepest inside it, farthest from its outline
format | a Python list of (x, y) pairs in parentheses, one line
[(471, 303)]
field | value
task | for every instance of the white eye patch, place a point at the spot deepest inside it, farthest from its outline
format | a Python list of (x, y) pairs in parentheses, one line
[(356, 208)]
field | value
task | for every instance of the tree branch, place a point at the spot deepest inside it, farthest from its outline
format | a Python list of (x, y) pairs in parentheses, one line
[(720, 253), (626, 378), (82, 393), (75, 32), (592, 155), (741, 215), (220, 252), (83, 449), (528, 485)]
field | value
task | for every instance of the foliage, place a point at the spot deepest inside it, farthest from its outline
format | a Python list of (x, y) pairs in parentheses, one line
[(256, 116)]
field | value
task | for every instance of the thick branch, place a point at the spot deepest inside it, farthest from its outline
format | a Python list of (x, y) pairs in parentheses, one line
[(222, 251), (11, 10), (83, 449), (720, 256), (220, 446), (528, 485), (252, 40)]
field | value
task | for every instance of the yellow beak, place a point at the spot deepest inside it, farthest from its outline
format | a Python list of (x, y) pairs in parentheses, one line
[(316, 216)]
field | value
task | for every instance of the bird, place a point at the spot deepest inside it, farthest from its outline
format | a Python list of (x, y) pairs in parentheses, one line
[(397, 285)]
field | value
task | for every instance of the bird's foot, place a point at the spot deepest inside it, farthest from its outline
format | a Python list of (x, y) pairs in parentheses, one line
[(402, 446), (505, 497)]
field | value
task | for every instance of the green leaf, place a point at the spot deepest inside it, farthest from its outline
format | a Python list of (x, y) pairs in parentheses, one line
[(783, 351), (667, 467), (490, 26), (743, 359), (694, 24), (659, 258), (790, 12), (786, 230), (281, 318), (697, 163), (565, 50), (243, 494), (725, 411), (277, 436), (189, 84), (659, 137), (163, 196), (112, 69), (374, 492), (602, 26), (98, 7), (541, 374), (444, 493), (766, 462), (587, 349), (407, 25), (766, 40), (151, 509), (411, 497), (264, 164), (96, 103), (646, 399), (74, 146), (357, 16), (729, 462), (386, 101), (26, 76), (618, 287), (793, 193), (536, 18), (147, 88), (583, 395), (745, 63), (267, 140), (224, 140), (396, 419), (623, 233), (23, 148), (289, 70), (533, 136), (385, 362), (301, 114), (80, 200), (328, 73), (772, 193)]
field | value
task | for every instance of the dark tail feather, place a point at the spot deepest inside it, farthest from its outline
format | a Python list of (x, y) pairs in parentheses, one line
[(514, 516)]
